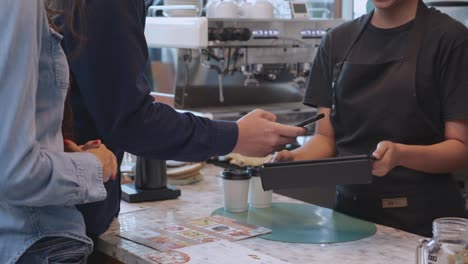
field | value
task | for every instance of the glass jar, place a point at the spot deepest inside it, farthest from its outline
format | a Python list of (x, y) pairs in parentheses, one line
[(449, 244)]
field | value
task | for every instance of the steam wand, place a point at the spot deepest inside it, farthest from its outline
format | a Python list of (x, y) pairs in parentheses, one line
[(220, 69)]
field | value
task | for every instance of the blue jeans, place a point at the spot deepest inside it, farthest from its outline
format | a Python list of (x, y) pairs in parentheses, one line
[(55, 250)]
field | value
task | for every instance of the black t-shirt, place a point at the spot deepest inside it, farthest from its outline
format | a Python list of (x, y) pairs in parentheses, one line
[(377, 45), (442, 69)]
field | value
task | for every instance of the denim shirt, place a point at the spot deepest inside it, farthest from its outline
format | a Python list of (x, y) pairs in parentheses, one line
[(39, 183)]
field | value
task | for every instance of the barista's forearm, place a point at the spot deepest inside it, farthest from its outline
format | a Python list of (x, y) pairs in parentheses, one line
[(318, 146), (447, 156)]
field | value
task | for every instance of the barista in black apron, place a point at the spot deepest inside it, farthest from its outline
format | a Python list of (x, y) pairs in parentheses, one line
[(404, 198)]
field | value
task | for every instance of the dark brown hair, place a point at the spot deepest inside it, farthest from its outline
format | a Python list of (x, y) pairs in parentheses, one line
[(61, 14), (69, 14)]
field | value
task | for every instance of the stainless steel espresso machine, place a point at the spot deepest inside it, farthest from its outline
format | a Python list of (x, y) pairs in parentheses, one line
[(228, 67)]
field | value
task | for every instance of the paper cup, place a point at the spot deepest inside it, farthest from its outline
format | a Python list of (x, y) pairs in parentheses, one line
[(236, 190), (258, 198)]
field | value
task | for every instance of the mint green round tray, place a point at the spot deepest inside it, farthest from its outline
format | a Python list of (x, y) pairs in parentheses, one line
[(304, 223)]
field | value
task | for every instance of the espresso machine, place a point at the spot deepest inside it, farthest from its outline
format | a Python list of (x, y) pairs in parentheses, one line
[(225, 68)]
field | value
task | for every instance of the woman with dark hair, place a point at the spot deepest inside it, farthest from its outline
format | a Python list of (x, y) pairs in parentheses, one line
[(40, 183), (111, 101)]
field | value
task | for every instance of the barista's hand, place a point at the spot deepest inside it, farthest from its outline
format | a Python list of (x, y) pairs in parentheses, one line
[(105, 156), (387, 158), (283, 155), (260, 135)]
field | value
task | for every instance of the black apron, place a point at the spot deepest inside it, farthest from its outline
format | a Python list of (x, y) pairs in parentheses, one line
[(375, 102)]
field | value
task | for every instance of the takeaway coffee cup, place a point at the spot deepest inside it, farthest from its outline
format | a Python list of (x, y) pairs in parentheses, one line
[(258, 198), (236, 189)]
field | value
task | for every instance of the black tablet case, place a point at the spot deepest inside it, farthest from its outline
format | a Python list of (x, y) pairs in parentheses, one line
[(330, 171)]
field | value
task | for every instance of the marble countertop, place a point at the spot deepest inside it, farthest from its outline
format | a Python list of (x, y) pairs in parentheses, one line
[(388, 245)]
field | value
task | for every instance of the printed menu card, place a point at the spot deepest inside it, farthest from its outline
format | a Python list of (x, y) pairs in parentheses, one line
[(194, 232), (218, 252)]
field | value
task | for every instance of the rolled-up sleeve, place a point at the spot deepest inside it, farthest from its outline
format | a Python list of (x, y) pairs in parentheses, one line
[(31, 173)]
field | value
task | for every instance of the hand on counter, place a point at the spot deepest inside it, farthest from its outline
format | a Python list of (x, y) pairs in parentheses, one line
[(386, 155), (105, 156), (259, 134)]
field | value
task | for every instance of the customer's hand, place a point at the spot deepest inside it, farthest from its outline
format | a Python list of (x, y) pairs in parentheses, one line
[(260, 135), (386, 155), (108, 162), (70, 146), (105, 156)]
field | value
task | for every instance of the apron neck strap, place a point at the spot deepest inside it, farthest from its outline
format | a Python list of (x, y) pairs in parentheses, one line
[(364, 21), (417, 33)]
